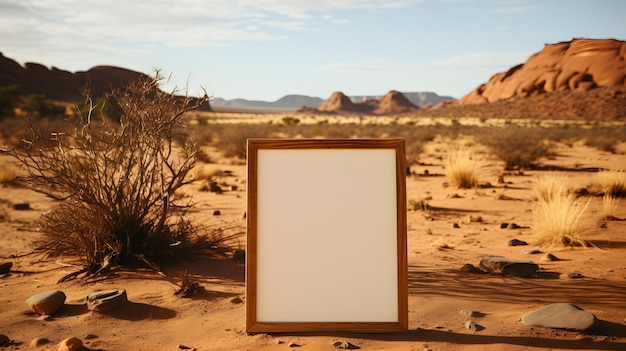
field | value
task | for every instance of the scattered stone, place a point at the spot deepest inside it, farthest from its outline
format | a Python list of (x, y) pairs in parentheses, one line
[(455, 196), (293, 344), (511, 226), (106, 300), (471, 313), (550, 257), (239, 255), (70, 344), (501, 179), (561, 316), (345, 345), (233, 188), (574, 275), (91, 336), (21, 207), (531, 252), (5, 267), (508, 267), (217, 213), (4, 340), (183, 347), (45, 317), (470, 268), (516, 242), (485, 185), (473, 326), (215, 188), (46, 302), (244, 215), (474, 219), (456, 225), (236, 300), (39, 342)]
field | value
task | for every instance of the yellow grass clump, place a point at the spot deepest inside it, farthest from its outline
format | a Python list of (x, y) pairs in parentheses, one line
[(612, 182), (462, 170), (7, 173), (609, 207), (562, 221), (550, 186)]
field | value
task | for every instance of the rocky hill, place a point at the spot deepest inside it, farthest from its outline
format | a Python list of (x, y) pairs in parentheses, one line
[(392, 103)]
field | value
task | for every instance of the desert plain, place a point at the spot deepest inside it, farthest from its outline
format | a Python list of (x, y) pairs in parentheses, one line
[(448, 227)]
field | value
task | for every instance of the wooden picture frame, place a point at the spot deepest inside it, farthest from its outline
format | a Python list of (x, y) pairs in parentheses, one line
[(326, 236)]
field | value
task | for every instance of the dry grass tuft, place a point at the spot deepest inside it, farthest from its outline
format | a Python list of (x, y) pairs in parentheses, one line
[(562, 221), (8, 173), (462, 170), (612, 182), (550, 186), (609, 207)]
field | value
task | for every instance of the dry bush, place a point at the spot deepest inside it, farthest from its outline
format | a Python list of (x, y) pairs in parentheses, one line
[(117, 183), (550, 186), (612, 182), (232, 139), (518, 147), (463, 171), (562, 221)]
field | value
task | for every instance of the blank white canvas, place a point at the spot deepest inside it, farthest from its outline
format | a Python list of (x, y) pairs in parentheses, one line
[(326, 235)]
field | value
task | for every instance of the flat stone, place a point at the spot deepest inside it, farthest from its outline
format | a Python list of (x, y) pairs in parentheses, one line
[(516, 242), (508, 267), (39, 342), (46, 302), (531, 252), (106, 300), (345, 345), (70, 344), (560, 316), (575, 275)]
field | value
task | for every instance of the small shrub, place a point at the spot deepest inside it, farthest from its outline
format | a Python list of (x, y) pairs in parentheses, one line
[(562, 221), (462, 170), (117, 183), (612, 182), (8, 173), (550, 186), (518, 147)]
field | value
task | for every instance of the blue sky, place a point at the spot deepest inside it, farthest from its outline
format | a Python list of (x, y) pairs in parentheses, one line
[(265, 49)]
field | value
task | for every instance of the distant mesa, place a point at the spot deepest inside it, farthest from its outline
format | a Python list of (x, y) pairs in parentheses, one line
[(392, 103), (578, 65), (57, 84)]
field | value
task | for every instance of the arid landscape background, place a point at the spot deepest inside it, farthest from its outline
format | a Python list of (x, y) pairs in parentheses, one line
[(561, 114)]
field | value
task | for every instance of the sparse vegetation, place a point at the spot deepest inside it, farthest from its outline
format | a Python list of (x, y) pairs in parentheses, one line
[(518, 147), (550, 186), (612, 182), (8, 173), (562, 221), (609, 207), (117, 183), (462, 170)]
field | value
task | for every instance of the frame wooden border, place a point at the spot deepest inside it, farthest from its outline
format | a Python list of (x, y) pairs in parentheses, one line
[(255, 326)]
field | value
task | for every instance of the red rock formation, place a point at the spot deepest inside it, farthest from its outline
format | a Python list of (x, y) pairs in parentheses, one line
[(337, 102), (394, 103), (577, 65)]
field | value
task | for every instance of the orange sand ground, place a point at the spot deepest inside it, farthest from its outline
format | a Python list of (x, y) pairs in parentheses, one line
[(156, 319)]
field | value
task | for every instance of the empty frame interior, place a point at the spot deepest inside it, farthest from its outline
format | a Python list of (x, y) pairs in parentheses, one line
[(326, 246)]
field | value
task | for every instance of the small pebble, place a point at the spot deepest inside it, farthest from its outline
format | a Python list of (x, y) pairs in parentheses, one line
[(38, 342), (516, 242), (575, 275), (550, 257), (70, 344), (473, 326), (531, 252), (183, 347), (236, 300), (345, 345), (293, 344), (4, 340)]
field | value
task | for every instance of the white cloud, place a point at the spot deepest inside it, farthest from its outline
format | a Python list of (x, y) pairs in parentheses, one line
[(482, 60), (365, 66)]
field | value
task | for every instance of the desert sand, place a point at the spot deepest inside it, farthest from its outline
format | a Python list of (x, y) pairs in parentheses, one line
[(157, 319)]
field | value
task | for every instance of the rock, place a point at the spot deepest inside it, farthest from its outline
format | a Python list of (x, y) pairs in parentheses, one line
[(22, 206), (46, 302), (215, 188), (471, 313), (531, 252), (236, 300), (4, 340), (515, 242), (575, 275), (561, 316), (106, 300), (184, 347), (217, 213), (456, 225), (293, 344), (45, 317), (508, 267), (39, 342), (470, 268), (345, 345), (550, 257), (5, 267), (70, 344), (473, 326)]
